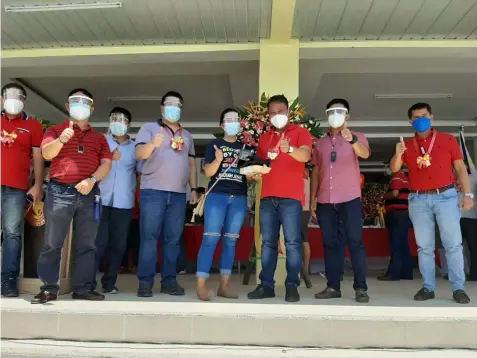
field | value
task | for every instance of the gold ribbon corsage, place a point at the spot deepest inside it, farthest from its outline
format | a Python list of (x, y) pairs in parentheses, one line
[(177, 143), (424, 161)]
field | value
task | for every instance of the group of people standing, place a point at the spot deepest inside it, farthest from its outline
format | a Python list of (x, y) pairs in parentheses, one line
[(93, 180)]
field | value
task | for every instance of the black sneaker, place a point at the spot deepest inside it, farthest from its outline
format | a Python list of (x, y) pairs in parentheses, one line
[(261, 292), (387, 278), (9, 288), (424, 294), (88, 296), (328, 293), (361, 296), (460, 297), (292, 294), (144, 291), (174, 290)]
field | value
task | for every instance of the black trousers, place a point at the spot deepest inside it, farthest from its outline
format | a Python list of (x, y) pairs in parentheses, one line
[(469, 234)]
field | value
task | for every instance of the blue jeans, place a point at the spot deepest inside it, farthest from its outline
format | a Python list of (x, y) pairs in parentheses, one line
[(287, 212), (445, 208), (63, 204), (13, 209), (160, 211), (112, 238), (227, 211), (330, 216), (401, 265)]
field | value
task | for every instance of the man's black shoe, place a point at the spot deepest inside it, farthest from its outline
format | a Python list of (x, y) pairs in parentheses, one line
[(173, 290), (387, 278), (9, 288), (261, 292), (44, 297), (460, 297), (144, 292), (424, 294), (292, 294), (361, 296), (328, 293), (88, 296)]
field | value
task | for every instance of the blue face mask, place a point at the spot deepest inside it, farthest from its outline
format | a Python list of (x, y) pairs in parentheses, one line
[(231, 129), (118, 129), (172, 113), (421, 124)]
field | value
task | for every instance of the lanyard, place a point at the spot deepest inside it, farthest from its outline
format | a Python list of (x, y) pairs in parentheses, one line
[(429, 150)]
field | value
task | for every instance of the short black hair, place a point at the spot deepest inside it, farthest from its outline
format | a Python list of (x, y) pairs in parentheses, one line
[(225, 111), (123, 111), (172, 94), (420, 105), (200, 190), (81, 90), (278, 98), (16, 86), (341, 101)]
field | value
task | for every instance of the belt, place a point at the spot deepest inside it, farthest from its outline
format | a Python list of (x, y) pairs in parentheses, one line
[(434, 191)]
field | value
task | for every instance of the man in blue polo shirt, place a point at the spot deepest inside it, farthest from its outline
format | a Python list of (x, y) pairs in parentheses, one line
[(117, 195), (169, 154)]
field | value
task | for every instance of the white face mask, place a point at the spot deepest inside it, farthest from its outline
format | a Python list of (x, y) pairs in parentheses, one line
[(80, 111), (13, 106), (279, 121), (336, 120)]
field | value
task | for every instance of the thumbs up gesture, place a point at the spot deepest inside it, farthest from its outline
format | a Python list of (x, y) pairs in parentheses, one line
[(158, 139), (67, 133), (219, 155), (400, 146), (346, 133), (116, 154)]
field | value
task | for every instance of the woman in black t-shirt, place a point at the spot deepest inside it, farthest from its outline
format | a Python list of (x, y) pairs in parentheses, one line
[(225, 206)]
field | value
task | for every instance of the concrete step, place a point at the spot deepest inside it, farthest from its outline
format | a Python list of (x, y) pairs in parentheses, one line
[(63, 349)]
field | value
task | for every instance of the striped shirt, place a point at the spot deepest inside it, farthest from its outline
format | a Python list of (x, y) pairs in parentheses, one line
[(80, 157), (400, 183)]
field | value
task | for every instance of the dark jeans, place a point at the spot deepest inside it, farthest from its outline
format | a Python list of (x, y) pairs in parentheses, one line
[(401, 265), (469, 234), (287, 212), (133, 244), (63, 204), (160, 210), (113, 236), (329, 216), (13, 210)]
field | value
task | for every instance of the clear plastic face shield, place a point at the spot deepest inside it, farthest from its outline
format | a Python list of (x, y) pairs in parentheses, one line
[(13, 100), (80, 107), (118, 124), (118, 118), (231, 117), (172, 109), (336, 116)]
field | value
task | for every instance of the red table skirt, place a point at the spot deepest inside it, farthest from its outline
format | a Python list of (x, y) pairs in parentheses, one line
[(375, 241)]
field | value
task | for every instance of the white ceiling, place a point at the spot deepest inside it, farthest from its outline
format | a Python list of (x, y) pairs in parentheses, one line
[(324, 20), (137, 22)]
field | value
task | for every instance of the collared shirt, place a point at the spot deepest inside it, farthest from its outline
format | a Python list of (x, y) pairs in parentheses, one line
[(71, 166), (166, 169), (400, 183), (119, 186), (445, 151), (472, 213), (16, 158), (285, 180), (339, 181)]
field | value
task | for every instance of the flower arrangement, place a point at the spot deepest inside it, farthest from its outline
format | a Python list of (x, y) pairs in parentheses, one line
[(372, 200), (255, 120)]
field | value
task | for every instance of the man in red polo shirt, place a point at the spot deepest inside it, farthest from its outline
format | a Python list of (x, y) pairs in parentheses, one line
[(288, 147), (80, 157), (434, 159), (21, 138)]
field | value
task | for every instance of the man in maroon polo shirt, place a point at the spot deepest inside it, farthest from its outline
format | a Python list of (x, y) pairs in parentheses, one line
[(21, 137), (288, 147), (434, 159), (80, 157)]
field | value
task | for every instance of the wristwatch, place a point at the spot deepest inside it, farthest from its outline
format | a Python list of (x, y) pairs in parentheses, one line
[(290, 149), (193, 189), (469, 195), (93, 179), (354, 140)]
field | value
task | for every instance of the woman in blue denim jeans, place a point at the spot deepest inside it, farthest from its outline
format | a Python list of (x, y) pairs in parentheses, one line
[(225, 206)]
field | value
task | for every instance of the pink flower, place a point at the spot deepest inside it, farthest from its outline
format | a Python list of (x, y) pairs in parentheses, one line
[(258, 126), (243, 123)]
